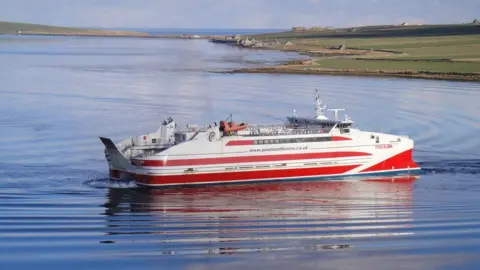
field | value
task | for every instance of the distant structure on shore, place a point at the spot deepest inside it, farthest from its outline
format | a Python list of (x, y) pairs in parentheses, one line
[(299, 29), (312, 29), (318, 29), (190, 36)]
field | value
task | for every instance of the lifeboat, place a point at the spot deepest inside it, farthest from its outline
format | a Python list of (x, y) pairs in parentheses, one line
[(232, 126)]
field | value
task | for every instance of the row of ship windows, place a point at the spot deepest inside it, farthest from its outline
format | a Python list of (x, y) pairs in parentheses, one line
[(305, 122), (191, 170), (293, 140)]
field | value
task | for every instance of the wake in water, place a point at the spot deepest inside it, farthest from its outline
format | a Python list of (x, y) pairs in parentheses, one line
[(103, 183), (463, 166), (434, 162)]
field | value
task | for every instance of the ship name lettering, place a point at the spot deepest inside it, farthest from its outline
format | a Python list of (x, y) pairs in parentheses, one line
[(383, 146)]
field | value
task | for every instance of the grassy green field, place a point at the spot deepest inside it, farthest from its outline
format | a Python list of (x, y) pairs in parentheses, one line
[(379, 31), (416, 45), (461, 67), (438, 47)]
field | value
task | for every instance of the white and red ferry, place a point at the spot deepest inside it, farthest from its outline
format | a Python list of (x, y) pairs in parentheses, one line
[(299, 149)]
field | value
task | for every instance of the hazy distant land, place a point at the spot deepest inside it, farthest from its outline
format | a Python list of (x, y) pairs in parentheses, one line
[(14, 28)]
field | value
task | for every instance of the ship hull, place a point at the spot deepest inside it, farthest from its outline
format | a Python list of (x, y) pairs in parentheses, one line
[(332, 169), (158, 182)]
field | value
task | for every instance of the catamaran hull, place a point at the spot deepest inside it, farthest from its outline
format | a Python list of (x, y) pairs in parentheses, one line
[(164, 181), (397, 164)]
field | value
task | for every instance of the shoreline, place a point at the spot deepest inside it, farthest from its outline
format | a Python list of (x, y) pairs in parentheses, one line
[(287, 69)]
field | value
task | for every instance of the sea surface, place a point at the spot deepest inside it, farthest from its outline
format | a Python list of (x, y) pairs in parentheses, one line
[(58, 210)]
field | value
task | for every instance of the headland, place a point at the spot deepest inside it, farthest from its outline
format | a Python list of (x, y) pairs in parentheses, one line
[(27, 29), (445, 52)]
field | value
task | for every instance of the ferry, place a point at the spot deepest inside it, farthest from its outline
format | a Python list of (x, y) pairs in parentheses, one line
[(301, 148)]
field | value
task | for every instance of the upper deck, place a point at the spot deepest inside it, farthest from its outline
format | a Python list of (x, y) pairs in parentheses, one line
[(168, 135), (289, 129)]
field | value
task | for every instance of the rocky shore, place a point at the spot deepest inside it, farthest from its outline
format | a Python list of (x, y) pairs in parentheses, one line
[(295, 69)]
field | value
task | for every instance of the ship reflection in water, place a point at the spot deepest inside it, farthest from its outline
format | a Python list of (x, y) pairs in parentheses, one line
[(279, 216)]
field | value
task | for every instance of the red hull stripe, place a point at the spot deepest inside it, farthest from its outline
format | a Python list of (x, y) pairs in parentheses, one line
[(339, 138), (240, 176), (245, 159), (238, 143), (401, 161)]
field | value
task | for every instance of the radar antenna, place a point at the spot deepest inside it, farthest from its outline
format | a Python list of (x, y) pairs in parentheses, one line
[(335, 111)]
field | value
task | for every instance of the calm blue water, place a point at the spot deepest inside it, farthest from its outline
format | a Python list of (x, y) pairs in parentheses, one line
[(58, 210)]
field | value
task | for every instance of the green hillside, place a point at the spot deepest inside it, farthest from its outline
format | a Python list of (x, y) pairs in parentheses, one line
[(378, 31), (13, 28), (38, 29), (435, 48)]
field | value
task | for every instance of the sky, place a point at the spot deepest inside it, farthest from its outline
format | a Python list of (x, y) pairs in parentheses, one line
[(239, 14)]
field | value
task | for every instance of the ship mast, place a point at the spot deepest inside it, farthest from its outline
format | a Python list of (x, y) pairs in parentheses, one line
[(319, 108)]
